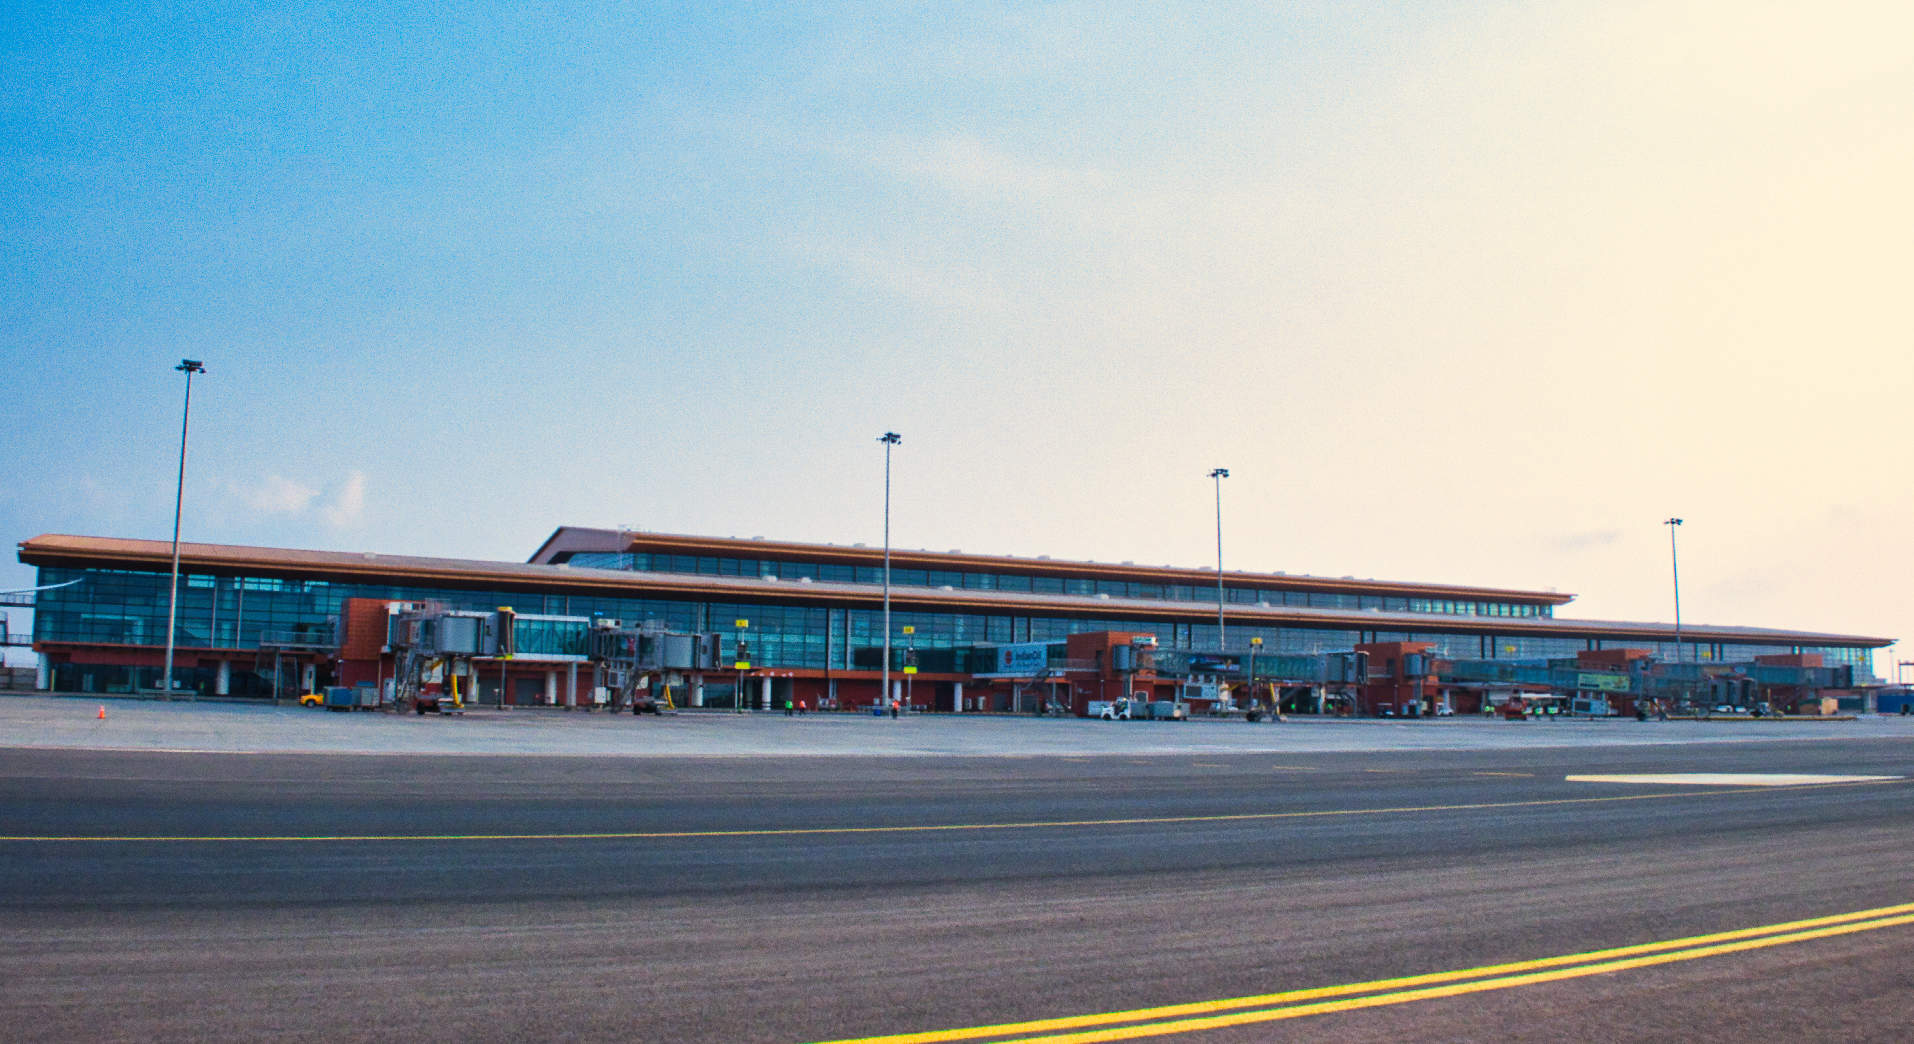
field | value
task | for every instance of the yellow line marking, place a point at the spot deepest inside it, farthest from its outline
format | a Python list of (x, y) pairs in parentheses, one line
[(1729, 779), (1242, 817), (1400, 991), (1408, 996)]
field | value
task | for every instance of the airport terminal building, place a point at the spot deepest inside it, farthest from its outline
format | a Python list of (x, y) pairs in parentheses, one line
[(266, 622)]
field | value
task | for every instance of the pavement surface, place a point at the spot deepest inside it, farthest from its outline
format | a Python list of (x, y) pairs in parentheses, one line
[(162, 896), (39, 721)]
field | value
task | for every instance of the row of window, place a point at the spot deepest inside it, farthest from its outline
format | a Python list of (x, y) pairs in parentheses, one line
[(965, 581), (118, 607), (122, 607)]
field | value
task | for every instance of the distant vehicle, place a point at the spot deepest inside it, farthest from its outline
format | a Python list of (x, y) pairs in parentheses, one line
[(311, 699)]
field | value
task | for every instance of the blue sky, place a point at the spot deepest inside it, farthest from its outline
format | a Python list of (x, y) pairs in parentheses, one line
[(1458, 292)]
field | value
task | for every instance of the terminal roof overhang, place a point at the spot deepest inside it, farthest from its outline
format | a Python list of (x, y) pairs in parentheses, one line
[(369, 568), (569, 540)]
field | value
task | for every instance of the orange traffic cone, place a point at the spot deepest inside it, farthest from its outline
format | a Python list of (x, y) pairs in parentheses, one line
[(102, 712)]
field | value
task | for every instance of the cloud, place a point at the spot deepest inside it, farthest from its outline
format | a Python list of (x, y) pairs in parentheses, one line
[(275, 495), (347, 502), (1587, 541), (974, 167), (338, 504)]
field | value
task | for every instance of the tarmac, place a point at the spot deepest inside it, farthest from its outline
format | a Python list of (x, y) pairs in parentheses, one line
[(36, 721)]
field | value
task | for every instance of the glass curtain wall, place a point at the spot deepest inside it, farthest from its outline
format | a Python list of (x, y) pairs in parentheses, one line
[(116, 607), (1083, 587)]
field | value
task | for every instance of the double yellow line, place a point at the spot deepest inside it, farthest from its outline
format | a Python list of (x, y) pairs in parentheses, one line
[(1271, 1007)]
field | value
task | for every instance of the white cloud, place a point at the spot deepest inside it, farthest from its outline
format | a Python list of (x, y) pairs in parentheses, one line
[(275, 495), (338, 503), (347, 502)]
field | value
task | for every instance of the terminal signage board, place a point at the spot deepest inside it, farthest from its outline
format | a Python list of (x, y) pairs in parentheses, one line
[(1602, 682), (1024, 658)]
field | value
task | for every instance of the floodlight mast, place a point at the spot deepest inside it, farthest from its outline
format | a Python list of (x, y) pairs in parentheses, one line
[(189, 367), (1674, 567), (889, 439), (1219, 475)]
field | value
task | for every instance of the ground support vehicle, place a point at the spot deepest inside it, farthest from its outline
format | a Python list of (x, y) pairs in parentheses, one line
[(344, 698), (1138, 710)]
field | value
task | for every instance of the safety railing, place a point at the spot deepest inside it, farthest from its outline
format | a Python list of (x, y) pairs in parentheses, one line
[(297, 640)]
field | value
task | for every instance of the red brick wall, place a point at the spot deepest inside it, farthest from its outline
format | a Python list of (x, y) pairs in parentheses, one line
[(1791, 660), (1609, 657), (364, 621)]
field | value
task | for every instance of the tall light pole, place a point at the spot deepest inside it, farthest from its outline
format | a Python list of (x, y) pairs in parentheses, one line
[(189, 367), (1675, 571), (889, 439), (1674, 565), (1219, 475)]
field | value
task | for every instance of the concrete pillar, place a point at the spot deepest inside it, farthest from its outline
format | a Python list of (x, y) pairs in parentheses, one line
[(957, 697), (551, 687), (571, 685), (697, 690), (764, 695), (43, 673), (223, 681)]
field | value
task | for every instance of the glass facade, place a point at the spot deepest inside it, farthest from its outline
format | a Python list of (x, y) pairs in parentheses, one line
[(963, 581), (550, 636), (118, 607)]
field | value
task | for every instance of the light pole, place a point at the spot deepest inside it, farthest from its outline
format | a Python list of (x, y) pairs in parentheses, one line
[(1219, 475), (889, 439), (189, 367), (1674, 566)]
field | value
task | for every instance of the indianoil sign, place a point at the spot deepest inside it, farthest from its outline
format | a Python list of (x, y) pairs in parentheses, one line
[(1024, 658)]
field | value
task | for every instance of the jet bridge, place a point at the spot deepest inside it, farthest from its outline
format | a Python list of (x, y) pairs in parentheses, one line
[(436, 647), (626, 660)]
